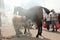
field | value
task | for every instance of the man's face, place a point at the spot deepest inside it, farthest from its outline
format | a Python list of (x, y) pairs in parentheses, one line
[(53, 11)]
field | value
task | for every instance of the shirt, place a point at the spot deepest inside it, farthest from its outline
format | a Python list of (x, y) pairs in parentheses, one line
[(53, 15), (47, 17)]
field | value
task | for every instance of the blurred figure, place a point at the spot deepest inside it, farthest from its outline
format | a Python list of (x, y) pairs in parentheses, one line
[(48, 21), (0, 20), (2, 7), (53, 18), (59, 18)]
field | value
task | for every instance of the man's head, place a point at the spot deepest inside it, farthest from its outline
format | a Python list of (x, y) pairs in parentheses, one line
[(53, 11)]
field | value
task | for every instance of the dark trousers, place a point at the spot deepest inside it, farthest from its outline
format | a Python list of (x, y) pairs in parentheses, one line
[(53, 23), (48, 25)]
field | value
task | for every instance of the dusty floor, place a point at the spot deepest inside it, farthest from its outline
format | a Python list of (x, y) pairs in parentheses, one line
[(46, 35)]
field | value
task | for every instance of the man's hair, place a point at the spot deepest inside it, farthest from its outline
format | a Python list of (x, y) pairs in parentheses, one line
[(52, 10)]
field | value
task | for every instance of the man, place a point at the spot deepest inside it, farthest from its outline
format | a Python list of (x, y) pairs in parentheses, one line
[(48, 21), (59, 18), (53, 18)]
